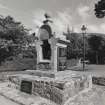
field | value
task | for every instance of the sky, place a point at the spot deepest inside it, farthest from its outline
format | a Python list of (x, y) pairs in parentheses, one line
[(64, 14)]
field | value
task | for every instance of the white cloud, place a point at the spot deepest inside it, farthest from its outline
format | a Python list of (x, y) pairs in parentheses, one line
[(61, 20), (97, 28), (103, 26), (77, 29), (4, 7), (38, 17), (83, 12), (92, 28)]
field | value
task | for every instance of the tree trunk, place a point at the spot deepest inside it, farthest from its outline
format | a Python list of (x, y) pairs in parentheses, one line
[(96, 57)]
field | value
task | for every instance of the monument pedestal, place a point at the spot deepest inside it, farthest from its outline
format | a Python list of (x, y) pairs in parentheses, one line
[(57, 89)]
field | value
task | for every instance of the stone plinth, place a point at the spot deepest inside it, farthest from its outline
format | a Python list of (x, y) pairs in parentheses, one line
[(55, 89)]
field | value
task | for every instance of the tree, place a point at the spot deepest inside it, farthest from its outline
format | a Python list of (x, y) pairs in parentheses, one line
[(96, 43), (75, 47), (13, 37), (100, 9), (100, 13)]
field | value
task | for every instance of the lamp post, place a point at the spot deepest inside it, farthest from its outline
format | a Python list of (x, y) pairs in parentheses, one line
[(83, 32)]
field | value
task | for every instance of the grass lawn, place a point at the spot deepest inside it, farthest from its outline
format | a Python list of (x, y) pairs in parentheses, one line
[(95, 70)]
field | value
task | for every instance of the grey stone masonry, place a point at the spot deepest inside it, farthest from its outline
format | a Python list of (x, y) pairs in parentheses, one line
[(55, 89)]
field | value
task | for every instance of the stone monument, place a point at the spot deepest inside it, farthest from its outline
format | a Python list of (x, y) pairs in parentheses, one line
[(51, 51), (51, 80)]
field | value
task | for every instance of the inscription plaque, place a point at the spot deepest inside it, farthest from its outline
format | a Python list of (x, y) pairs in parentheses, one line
[(26, 86)]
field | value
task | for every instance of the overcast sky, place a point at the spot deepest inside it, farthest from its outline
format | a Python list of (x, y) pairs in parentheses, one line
[(64, 13)]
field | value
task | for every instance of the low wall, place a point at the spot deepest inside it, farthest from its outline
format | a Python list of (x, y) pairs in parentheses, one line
[(58, 91), (98, 80)]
